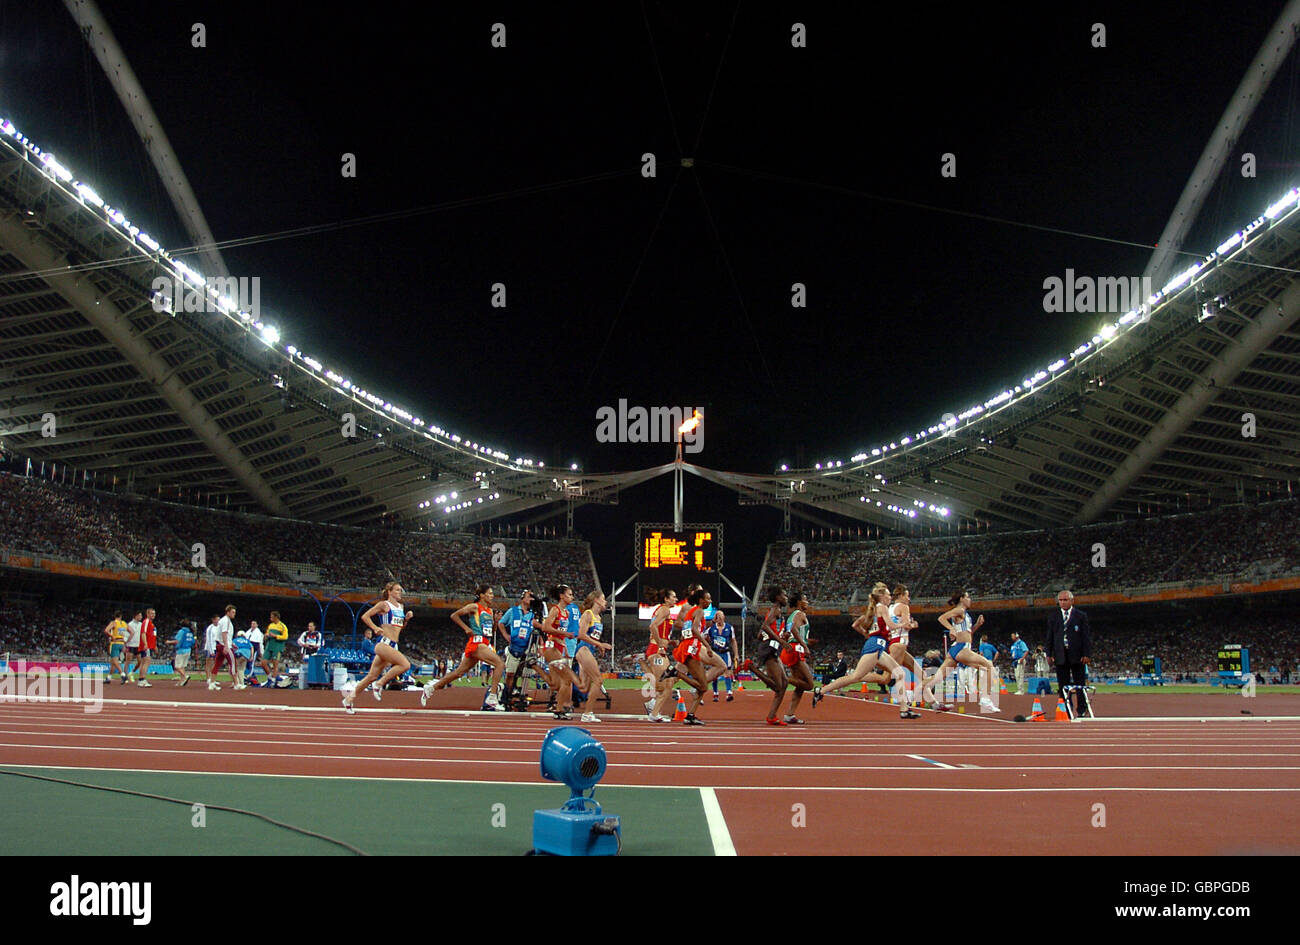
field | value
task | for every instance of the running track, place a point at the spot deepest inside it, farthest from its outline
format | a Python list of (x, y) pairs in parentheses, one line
[(854, 778)]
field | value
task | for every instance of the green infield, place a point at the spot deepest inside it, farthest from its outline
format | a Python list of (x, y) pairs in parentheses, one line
[(94, 815)]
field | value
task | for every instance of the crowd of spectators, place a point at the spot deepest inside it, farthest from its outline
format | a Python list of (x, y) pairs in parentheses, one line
[(1233, 543), (43, 518)]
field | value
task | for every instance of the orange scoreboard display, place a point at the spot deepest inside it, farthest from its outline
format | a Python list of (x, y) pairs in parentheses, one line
[(666, 557)]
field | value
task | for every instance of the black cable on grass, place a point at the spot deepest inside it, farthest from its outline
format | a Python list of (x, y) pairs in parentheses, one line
[(175, 800)]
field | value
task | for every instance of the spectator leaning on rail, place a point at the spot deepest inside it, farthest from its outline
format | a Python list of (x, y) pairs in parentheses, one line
[(1069, 641), (1019, 656)]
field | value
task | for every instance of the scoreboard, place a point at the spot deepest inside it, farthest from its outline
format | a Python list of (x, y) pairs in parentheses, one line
[(1234, 663), (665, 557)]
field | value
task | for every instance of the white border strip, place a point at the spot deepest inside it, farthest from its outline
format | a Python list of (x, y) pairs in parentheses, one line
[(718, 832)]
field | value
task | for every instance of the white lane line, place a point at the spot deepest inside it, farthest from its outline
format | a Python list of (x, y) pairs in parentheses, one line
[(718, 832), (678, 787), (409, 759), (931, 761)]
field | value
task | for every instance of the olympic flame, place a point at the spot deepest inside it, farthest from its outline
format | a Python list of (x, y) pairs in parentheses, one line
[(692, 423)]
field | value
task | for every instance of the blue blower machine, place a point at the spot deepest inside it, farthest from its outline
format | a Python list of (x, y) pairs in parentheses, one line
[(579, 828)]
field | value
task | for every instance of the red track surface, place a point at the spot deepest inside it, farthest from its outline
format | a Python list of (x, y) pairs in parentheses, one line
[(943, 784)]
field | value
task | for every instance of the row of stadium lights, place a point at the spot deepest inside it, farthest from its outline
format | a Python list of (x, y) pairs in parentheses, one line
[(271, 335)]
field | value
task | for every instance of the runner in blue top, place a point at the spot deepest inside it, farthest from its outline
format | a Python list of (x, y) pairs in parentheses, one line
[(723, 639), (184, 640), (575, 615), (589, 648)]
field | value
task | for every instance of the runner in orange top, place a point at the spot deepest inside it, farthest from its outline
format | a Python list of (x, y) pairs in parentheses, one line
[(478, 649)]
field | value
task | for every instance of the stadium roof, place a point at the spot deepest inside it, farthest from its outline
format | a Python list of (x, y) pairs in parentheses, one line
[(1151, 408)]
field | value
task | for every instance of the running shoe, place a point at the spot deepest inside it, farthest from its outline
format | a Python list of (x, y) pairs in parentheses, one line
[(986, 705), (347, 707), (692, 720), (145, 684), (379, 696), (730, 697), (214, 687), (909, 714), (715, 697), (793, 720), (660, 718), (817, 696), (589, 717), (777, 722), (563, 717), (498, 707), (670, 673), (650, 708), (425, 693)]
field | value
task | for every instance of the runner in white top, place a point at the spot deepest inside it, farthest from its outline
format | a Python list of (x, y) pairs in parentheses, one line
[(392, 618)]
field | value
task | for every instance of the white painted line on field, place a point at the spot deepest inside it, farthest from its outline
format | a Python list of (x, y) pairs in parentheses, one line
[(931, 761), (718, 832)]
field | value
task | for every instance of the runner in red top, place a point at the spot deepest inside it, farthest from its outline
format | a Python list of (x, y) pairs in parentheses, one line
[(148, 643), (795, 656), (687, 656), (557, 630)]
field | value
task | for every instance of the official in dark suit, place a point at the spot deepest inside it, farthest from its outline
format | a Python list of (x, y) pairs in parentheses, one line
[(1070, 643)]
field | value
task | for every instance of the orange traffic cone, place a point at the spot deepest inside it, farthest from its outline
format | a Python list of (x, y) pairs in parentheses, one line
[(864, 688), (1003, 683), (680, 714), (1062, 713), (740, 686), (1037, 714)]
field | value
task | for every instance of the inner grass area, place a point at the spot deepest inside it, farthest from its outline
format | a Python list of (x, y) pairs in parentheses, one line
[(378, 817)]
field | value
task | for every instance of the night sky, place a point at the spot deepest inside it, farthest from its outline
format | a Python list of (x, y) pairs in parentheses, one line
[(818, 165)]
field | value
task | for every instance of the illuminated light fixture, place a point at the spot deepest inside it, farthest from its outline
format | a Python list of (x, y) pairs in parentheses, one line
[(1272, 212), (270, 334), (1108, 331), (1227, 244)]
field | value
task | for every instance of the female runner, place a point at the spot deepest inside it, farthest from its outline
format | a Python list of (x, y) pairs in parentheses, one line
[(960, 652), (874, 625), (688, 656), (657, 653), (766, 664), (478, 649), (900, 622), (556, 628), (392, 618), (795, 656), (589, 645)]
